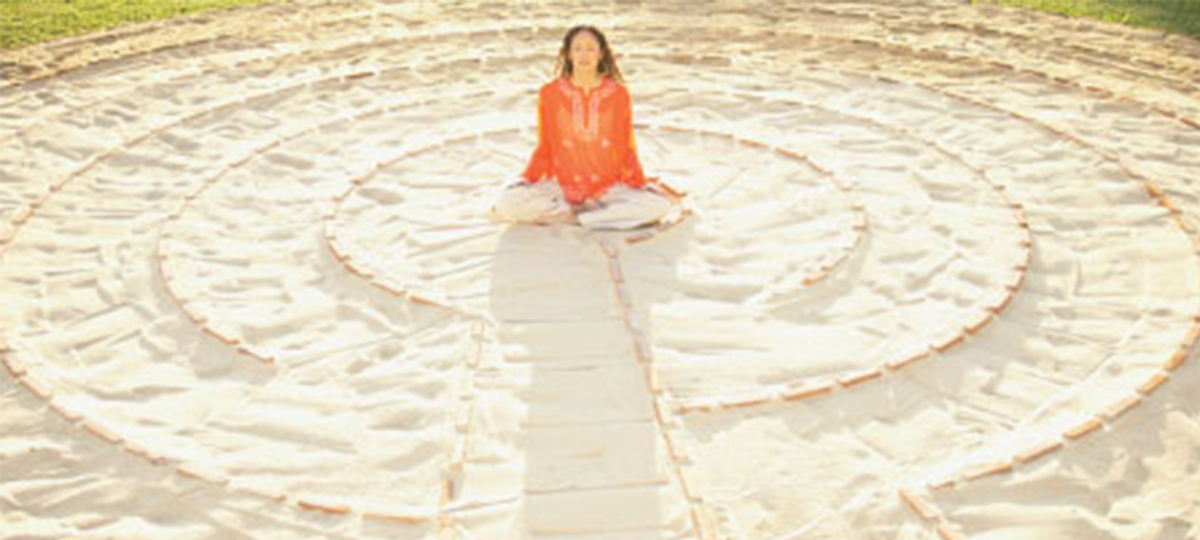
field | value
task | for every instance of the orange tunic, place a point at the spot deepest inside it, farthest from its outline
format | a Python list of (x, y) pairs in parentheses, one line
[(585, 140)]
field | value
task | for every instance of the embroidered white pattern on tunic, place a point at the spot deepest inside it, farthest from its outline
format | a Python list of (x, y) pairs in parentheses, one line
[(587, 126)]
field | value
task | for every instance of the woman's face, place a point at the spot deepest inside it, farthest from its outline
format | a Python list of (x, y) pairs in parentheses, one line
[(585, 52)]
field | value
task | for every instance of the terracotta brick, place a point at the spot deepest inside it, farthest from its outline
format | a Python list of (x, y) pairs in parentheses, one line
[(679, 453), (15, 365), (653, 381), (458, 454), (396, 517), (64, 409), (36, 385), (1177, 359), (919, 505), (946, 533), (614, 270), (1083, 428), (1120, 407), (976, 324), (1153, 382), (940, 483), (417, 299), (860, 377), (139, 450), (987, 469), (1015, 281), (902, 362), (745, 401), (623, 297), (101, 431), (328, 508), (807, 392), (1025, 244), (659, 415), (694, 406), (1038, 451), (258, 491), (639, 238), (1191, 337), (198, 472), (227, 337), (641, 349), (1184, 223), (23, 216), (609, 249), (391, 288), (950, 341), (1170, 205), (1001, 304)]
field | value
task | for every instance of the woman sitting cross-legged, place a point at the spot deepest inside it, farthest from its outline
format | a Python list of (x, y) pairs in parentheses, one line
[(585, 168)]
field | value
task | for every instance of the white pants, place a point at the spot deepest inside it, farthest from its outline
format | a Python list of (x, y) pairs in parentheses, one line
[(621, 207)]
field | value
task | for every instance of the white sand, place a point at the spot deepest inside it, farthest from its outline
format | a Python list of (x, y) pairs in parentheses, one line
[(942, 279)]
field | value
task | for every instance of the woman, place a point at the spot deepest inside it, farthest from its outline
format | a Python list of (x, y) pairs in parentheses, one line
[(585, 168)]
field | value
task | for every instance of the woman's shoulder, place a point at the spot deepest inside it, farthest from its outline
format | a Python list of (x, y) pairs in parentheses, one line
[(560, 85), (562, 79), (551, 88), (619, 89)]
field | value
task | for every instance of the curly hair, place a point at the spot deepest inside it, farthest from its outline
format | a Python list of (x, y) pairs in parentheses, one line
[(608, 64)]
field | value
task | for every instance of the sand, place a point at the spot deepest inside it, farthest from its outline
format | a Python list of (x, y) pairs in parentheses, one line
[(939, 277)]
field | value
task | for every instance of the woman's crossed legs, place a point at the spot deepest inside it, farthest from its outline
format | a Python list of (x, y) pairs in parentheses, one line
[(621, 207)]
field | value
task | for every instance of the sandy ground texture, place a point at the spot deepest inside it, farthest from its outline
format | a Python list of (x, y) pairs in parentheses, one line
[(939, 278)]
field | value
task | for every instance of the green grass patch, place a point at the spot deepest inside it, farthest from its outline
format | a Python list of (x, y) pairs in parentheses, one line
[(23, 22), (1173, 16)]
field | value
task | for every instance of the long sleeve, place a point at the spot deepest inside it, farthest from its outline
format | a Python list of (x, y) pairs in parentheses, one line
[(540, 162), (631, 167), (585, 139)]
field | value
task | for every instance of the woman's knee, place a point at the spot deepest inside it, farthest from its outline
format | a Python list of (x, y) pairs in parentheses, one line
[(524, 201)]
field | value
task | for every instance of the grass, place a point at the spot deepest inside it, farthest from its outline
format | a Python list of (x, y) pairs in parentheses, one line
[(1172, 16), (23, 22)]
